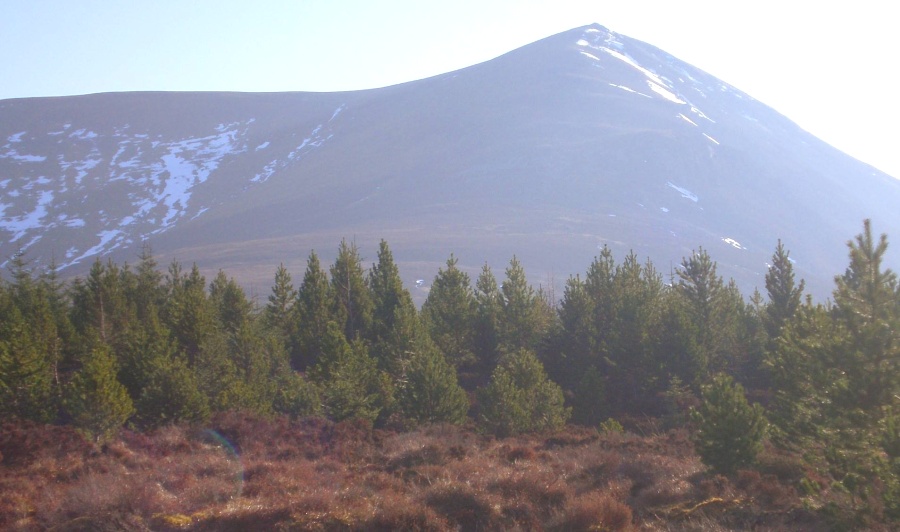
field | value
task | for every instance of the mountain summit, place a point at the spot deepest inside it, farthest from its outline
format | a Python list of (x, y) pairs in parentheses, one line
[(584, 139)]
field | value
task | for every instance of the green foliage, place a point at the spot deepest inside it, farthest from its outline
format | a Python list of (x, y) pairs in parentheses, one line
[(26, 378), (387, 292), (351, 383), (611, 426), (188, 312), (521, 398), (784, 294), (313, 311), (589, 401), (431, 393), (230, 304), (523, 317), (96, 401), (279, 312), (352, 298), (171, 394), (449, 314), (488, 309), (712, 307), (296, 396), (729, 430)]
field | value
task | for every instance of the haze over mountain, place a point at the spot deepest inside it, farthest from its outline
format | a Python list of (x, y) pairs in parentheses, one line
[(584, 139)]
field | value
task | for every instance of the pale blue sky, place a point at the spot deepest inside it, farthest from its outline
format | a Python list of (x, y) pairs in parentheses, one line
[(830, 69)]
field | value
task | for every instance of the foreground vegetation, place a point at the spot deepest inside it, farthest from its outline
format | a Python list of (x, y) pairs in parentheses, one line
[(774, 413), (245, 472)]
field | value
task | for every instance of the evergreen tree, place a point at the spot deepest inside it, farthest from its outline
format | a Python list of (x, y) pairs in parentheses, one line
[(391, 304), (784, 293), (431, 393), (26, 376), (279, 313), (729, 430), (523, 318), (521, 398), (867, 304), (145, 347), (147, 293), (353, 301), (449, 314), (99, 303), (231, 305), (296, 396), (217, 373), (171, 394), (387, 292), (188, 312), (349, 378), (96, 401), (711, 307), (488, 309), (313, 313)]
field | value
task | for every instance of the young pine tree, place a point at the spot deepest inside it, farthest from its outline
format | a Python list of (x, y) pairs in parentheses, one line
[(97, 402), (431, 393), (313, 310), (449, 314), (352, 298), (520, 398), (729, 430)]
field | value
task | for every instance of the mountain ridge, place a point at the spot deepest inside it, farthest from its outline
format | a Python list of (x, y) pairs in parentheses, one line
[(548, 152)]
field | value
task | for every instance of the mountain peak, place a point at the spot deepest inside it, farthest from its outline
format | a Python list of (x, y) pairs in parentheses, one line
[(549, 152)]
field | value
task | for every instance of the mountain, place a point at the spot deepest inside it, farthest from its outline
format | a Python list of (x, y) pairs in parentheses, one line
[(584, 139)]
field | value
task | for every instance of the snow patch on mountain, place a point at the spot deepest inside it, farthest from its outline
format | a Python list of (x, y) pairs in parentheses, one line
[(686, 119), (316, 138), (20, 225), (716, 142), (629, 89), (685, 193), (156, 177), (733, 243)]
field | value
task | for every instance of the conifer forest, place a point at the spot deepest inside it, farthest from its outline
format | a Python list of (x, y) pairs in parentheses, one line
[(148, 397)]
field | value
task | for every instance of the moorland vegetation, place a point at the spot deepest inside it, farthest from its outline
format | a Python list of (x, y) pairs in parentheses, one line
[(136, 398)]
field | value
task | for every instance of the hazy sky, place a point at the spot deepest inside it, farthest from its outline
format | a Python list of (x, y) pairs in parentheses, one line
[(832, 70)]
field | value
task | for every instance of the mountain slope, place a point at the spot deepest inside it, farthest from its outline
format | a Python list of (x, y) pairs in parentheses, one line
[(584, 139)]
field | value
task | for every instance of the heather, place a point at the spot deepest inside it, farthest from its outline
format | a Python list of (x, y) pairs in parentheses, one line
[(139, 398)]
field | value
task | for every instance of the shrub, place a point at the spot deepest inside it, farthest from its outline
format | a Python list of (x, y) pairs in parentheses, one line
[(729, 431), (521, 398)]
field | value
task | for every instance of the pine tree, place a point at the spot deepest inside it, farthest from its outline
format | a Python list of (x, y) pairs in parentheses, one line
[(171, 394), (353, 300), (521, 398), (867, 303), (387, 292), (349, 378), (729, 430), (523, 320), (393, 316), (231, 305), (279, 314), (96, 401), (296, 396), (711, 307), (99, 303), (488, 309), (26, 376), (431, 393), (449, 314), (188, 312), (314, 311), (784, 294)]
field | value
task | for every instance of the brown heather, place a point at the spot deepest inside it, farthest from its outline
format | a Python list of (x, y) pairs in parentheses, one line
[(245, 472)]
